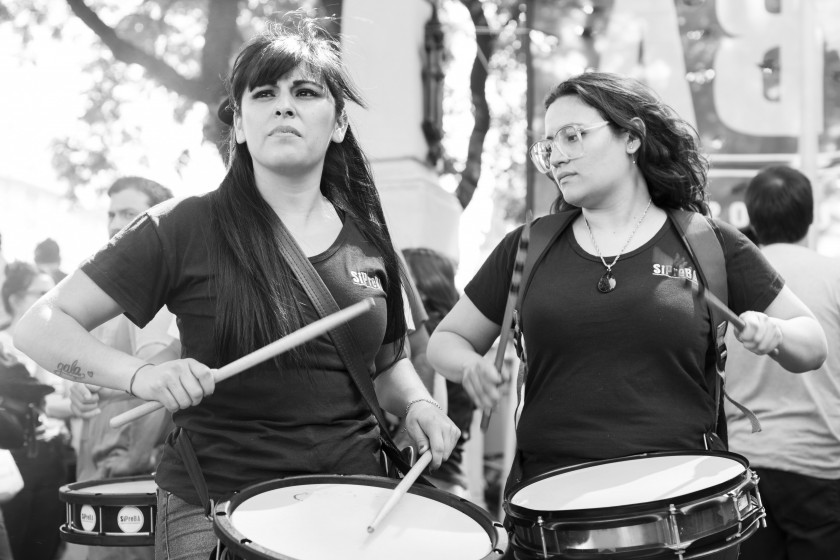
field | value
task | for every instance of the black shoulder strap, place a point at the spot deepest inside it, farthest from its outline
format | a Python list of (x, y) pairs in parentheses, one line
[(342, 338), (702, 239), (544, 231)]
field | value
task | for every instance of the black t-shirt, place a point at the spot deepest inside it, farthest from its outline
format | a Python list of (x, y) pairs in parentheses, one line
[(262, 423), (624, 372)]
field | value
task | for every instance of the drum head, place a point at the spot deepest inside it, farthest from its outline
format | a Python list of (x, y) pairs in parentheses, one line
[(326, 517), (111, 491), (628, 481)]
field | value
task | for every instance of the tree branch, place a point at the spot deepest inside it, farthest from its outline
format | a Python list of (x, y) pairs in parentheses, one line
[(220, 40), (481, 109), (131, 54)]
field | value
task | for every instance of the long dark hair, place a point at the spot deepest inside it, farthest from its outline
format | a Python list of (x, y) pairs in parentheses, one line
[(668, 157), (256, 300)]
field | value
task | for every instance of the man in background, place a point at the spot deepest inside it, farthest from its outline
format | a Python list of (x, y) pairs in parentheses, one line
[(797, 453), (48, 259), (132, 450)]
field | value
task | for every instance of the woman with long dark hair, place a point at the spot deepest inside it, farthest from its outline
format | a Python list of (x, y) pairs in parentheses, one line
[(215, 262)]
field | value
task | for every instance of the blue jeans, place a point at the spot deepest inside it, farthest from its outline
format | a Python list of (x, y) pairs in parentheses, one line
[(183, 531)]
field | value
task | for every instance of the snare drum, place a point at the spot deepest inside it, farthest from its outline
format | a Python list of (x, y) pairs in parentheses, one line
[(657, 505), (113, 512), (324, 517)]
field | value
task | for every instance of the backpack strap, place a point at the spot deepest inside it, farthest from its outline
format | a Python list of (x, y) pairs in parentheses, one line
[(703, 242), (543, 233)]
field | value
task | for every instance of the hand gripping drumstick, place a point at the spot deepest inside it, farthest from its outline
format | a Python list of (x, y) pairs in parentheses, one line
[(401, 489), (514, 293), (713, 300), (303, 334)]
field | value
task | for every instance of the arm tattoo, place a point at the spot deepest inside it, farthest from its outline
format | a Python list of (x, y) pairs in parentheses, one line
[(71, 371)]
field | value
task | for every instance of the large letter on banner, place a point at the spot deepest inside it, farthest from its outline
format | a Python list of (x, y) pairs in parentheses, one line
[(652, 23), (740, 97)]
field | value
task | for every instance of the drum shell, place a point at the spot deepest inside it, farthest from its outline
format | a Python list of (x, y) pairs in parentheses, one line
[(119, 519), (235, 546), (695, 523)]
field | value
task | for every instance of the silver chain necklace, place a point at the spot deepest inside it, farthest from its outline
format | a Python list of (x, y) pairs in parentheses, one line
[(606, 283)]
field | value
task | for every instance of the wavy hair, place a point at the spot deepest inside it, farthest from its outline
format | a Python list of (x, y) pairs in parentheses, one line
[(256, 301), (669, 157)]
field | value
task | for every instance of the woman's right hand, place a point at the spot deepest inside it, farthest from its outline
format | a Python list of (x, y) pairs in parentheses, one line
[(175, 384), (482, 381)]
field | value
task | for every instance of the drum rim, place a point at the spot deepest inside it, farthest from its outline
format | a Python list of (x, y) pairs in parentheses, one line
[(232, 538), (591, 514), (70, 493)]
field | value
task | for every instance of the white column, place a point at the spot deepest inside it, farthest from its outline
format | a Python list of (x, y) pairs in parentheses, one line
[(382, 42)]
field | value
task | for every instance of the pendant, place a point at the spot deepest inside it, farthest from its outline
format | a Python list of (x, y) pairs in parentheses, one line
[(606, 283)]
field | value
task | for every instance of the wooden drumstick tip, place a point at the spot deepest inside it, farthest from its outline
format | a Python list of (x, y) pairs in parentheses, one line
[(401, 489)]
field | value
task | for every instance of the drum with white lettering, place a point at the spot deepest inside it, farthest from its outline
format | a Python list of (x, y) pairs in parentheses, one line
[(656, 506), (113, 512), (324, 517)]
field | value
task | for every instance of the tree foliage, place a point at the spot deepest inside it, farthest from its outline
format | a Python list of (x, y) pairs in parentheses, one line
[(146, 47), (178, 50), (497, 97)]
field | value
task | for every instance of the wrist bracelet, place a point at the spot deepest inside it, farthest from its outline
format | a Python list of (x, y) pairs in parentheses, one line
[(133, 375), (430, 401)]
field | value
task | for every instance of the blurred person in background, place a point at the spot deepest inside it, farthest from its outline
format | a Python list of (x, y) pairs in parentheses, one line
[(434, 277), (48, 259), (797, 453), (39, 401), (5, 318), (133, 449)]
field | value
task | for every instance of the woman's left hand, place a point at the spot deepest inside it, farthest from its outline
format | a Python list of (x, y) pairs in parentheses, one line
[(431, 428), (761, 334)]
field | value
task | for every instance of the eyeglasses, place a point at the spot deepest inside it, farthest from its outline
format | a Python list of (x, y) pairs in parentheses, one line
[(568, 141)]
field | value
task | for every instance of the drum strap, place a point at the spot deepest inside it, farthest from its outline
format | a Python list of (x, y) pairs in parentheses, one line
[(342, 338), (185, 450)]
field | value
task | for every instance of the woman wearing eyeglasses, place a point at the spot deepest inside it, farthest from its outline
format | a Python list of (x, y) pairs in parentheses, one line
[(616, 338)]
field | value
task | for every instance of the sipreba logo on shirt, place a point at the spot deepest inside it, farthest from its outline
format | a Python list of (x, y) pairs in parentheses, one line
[(674, 271), (362, 279), (676, 266)]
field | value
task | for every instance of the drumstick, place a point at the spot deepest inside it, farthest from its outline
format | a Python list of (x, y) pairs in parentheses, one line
[(730, 316), (300, 336), (513, 294), (713, 300), (401, 489)]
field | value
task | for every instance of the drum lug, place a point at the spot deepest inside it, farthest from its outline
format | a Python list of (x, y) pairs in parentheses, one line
[(542, 536), (674, 529), (762, 521), (212, 515), (501, 539)]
